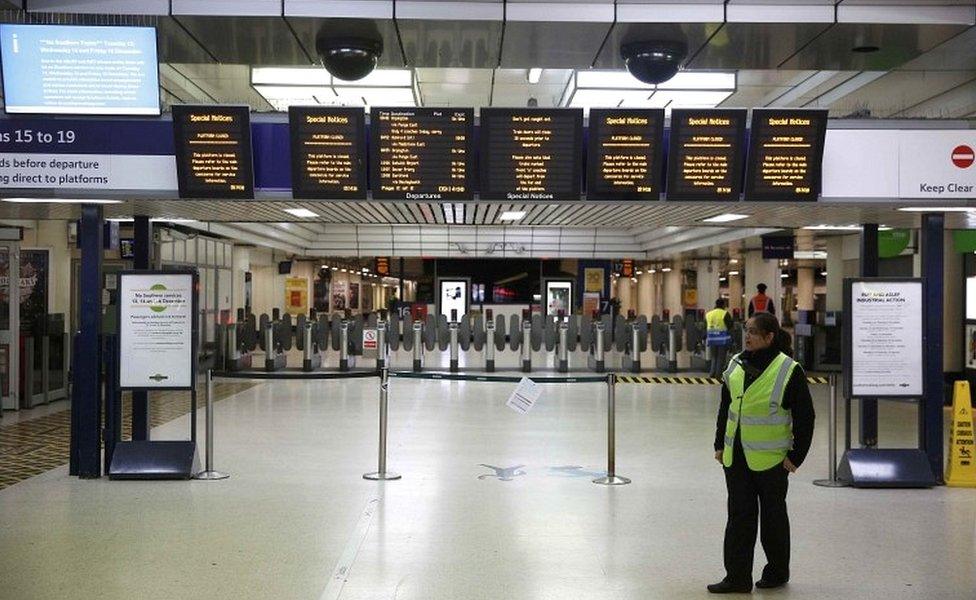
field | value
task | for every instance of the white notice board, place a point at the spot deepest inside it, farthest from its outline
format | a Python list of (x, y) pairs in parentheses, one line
[(885, 338), (157, 341)]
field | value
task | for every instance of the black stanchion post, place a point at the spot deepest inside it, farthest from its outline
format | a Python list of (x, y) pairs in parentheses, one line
[(382, 474), (612, 478)]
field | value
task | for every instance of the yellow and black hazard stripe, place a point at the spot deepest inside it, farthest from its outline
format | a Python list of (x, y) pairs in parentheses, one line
[(685, 380)]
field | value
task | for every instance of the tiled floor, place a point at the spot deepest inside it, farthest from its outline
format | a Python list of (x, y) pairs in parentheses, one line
[(30, 446), (297, 521)]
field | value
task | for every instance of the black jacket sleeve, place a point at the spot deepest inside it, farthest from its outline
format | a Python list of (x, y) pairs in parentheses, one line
[(797, 400), (728, 321), (723, 415)]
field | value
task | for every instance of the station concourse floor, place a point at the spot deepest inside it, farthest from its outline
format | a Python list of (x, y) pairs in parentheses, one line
[(296, 520)]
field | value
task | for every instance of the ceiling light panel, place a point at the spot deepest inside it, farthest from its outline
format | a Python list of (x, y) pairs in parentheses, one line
[(301, 212), (290, 76)]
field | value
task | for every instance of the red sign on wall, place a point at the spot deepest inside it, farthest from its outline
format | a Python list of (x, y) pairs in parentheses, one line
[(963, 156)]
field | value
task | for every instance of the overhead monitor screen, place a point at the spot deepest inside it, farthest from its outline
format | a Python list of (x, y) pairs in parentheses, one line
[(421, 153), (531, 153), (705, 154), (213, 151), (785, 155), (624, 155), (81, 70), (328, 151)]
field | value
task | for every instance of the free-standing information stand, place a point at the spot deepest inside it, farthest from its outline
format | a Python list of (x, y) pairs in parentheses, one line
[(157, 350), (884, 359)]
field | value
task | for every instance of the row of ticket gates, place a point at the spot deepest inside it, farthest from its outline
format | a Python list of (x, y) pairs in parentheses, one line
[(531, 340)]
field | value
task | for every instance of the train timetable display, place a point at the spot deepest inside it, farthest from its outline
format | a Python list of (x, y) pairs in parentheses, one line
[(705, 154), (785, 155), (531, 154), (624, 155), (421, 153), (328, 152), (213, 151)]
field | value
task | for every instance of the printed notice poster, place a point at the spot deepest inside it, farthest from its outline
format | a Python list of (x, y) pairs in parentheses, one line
[(156, 330), (886, 338)]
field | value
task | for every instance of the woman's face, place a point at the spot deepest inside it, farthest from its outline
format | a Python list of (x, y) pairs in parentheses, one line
[(756, 339)]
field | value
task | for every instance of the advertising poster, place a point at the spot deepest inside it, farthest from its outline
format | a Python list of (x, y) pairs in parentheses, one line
[(591, 303), (367, 302), (593, 280), (454, 296), (339, 295), (354, 296), (320, 295), (558, 297), (156, 330), (886, 346), (296, 295), (34, 280)]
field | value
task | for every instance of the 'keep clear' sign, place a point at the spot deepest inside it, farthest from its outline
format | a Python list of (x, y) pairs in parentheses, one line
[(156, 330)]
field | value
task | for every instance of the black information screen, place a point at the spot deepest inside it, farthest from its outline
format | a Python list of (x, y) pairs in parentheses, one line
[(705, 154), (328, 152), (213, 151), (531, 154), (421, 153), (785, 155), (623, 161)]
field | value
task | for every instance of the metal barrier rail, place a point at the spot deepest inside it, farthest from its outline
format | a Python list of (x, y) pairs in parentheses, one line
[(502, 378), (295, 375)]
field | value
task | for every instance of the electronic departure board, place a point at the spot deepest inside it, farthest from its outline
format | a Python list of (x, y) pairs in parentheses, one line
[(623, 161), (785, 155), (213, 151), (531, 154), (705, 154), (421, 153), (328, 152)]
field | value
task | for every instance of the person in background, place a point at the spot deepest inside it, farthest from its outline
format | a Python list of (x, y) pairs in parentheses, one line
[(761, 303), (762, 435), (718, 323)]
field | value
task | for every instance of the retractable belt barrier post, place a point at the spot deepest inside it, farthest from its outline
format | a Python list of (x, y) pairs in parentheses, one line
[(831, 480), (381, 474), (209, 473), (612, 478)]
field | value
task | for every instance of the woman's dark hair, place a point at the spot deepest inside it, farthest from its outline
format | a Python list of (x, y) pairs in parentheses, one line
[(767, 324)]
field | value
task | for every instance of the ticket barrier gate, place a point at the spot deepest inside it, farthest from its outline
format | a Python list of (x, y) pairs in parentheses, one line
[(595, 334), (239, 341), (696, 335), (666, 338), (308, 339), (43, 364), (275, 339), (347, 339), (630, 338)]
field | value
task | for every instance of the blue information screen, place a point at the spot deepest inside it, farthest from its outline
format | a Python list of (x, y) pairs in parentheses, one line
[(82, 70)]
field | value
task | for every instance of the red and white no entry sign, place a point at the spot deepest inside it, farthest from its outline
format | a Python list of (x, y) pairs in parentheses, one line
[(963, 156)]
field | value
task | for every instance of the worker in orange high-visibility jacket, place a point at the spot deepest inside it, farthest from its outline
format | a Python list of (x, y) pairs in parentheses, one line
[(761, 303)]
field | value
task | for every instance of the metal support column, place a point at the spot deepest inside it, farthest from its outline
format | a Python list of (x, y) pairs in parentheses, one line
[(869, 268), (930, 411), (141, 261), (86, 389)]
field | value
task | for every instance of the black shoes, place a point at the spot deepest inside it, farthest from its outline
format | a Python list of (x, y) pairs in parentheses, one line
[(768, 584), (728, 587)]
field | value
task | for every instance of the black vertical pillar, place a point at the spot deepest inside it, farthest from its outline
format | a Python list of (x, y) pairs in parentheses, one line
[(86, 390), (140, 400), (869, 268), (930, 411)]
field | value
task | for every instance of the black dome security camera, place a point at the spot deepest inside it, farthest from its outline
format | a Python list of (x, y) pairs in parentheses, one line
[(653, 62), (349, 58)]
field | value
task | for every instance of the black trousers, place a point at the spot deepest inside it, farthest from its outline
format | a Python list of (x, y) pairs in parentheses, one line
[(720, 360), (756, 498)]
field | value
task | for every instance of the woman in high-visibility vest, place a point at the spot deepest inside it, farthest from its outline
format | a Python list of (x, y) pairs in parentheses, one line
[(763, 433)]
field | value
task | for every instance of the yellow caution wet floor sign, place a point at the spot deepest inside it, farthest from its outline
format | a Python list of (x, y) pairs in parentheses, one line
[(962, 444)]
